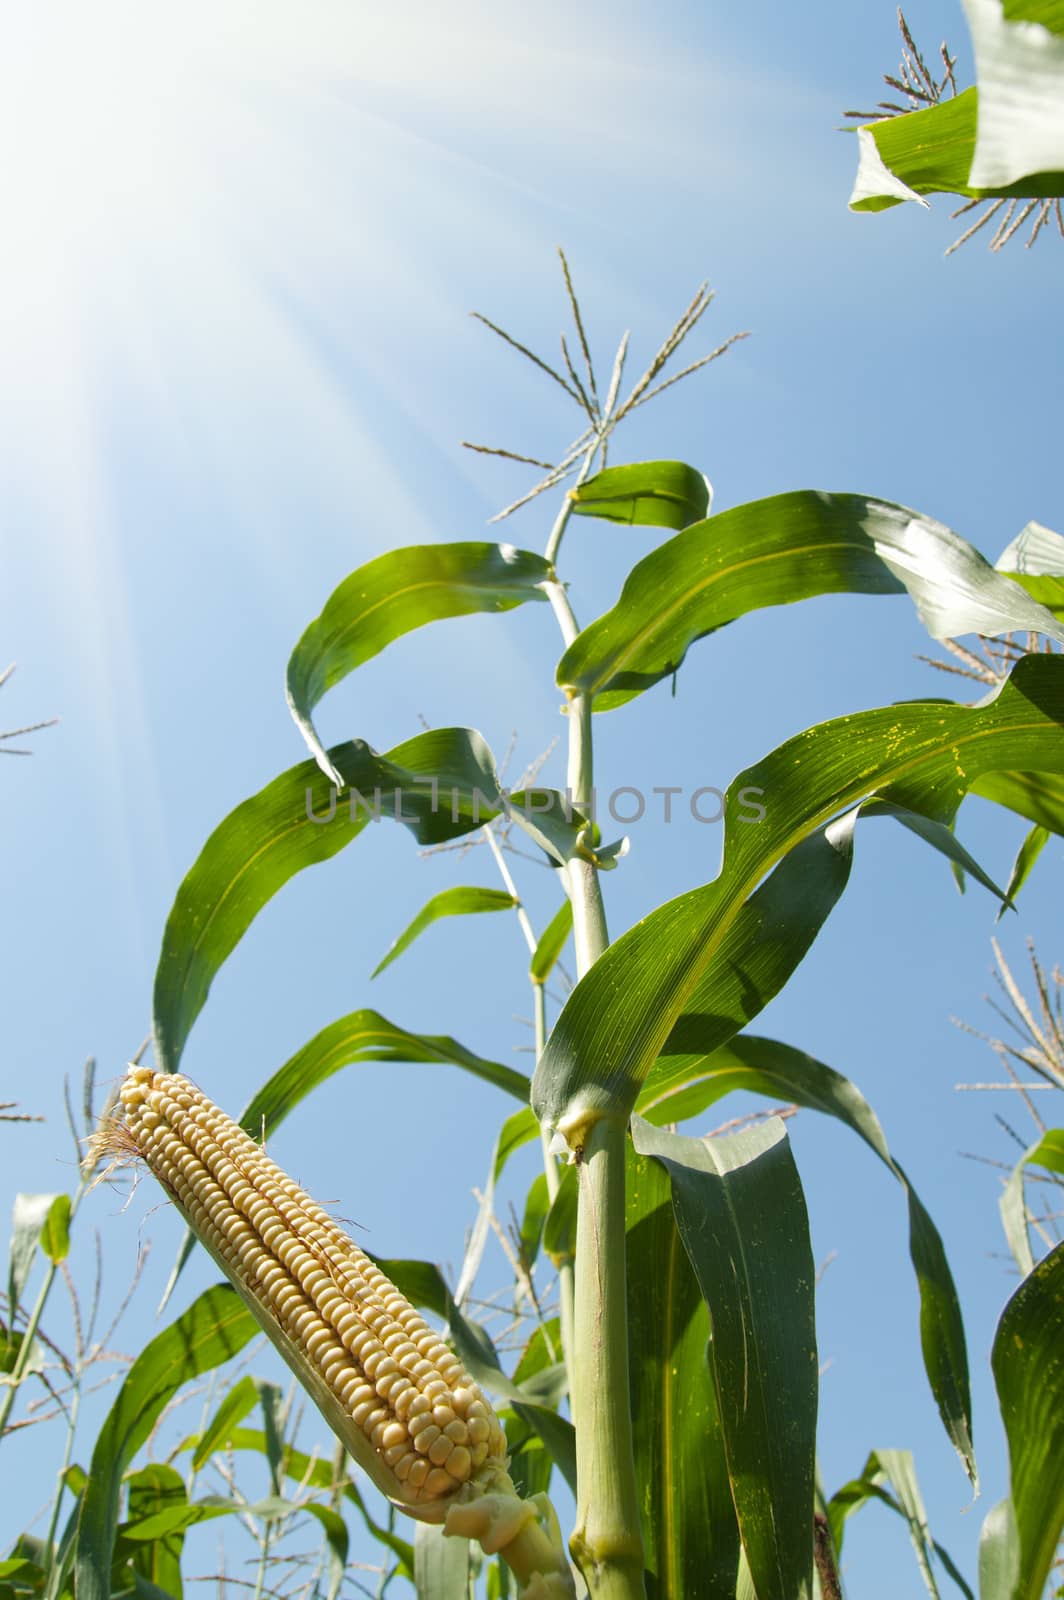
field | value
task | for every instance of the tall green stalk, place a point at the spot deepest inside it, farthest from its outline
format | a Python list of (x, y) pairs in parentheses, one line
[(606, 1543)]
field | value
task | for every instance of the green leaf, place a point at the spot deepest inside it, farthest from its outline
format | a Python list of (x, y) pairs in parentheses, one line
[(271, 1401), (142, 1589), (296, 821), (547, 1387), (401, 1548), (499, 1586), (741, 1216), (999, 1553), (689, 1527), (157, 1488), (684, 1081), (55, 1231), (921, 755), (922, 152), (1038, 796), (772, 934), (29, 1574), (177, 1518), (559, 1228), (537, 1204), (658, 494), (441, 1565), (1048, 1153), (441, 785), (940, 837), (392, 595), (62, 1564), (530, 1466), (883, 1472), (1026, 856), (215, 1327), (932, 152), (458, 902), (29, 1547), (557, 1435), (766, 940), (365, 1036), (898, 1469), (241, 1398), (10, 1345), (1028, 1363), (541, 1352), (551, 943), (337, 1543), (28, 1216), (775, 551), (518, 1130)]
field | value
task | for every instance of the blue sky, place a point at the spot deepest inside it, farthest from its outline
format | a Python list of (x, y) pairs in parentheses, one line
[(243, 244)]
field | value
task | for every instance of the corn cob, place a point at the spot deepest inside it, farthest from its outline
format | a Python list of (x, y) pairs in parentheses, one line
[(418, 1421), (389, 1387)]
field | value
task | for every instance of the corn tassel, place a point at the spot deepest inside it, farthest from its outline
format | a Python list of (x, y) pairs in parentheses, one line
[(392, 1391)]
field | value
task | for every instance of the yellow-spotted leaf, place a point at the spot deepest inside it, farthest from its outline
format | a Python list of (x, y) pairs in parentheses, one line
[(776, 551)]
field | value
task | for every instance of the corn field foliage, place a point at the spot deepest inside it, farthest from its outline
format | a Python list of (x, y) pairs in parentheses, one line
[(666, 1375)]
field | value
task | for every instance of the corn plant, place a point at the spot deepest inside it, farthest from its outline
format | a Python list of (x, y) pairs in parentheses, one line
[(676, 1391)]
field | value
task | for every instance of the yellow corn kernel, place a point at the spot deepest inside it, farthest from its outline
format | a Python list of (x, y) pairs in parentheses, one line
[(387, 1384)]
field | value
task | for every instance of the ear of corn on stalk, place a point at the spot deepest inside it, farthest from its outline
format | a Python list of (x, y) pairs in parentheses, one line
[(390, 1388)]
